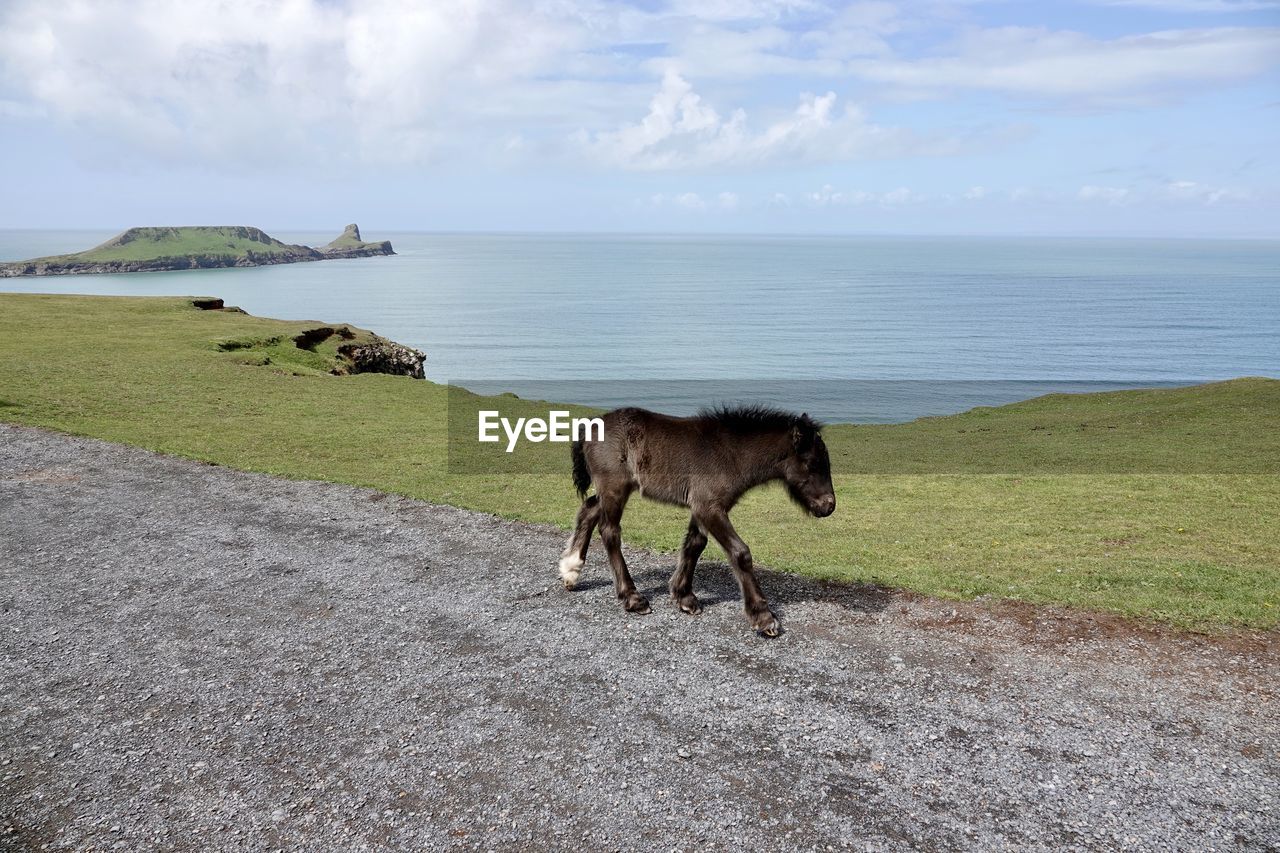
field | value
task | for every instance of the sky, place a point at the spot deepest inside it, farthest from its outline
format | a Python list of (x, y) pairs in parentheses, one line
[(1080, 117)]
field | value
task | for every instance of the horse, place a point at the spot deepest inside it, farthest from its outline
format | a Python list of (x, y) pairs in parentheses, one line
[(705, 463)]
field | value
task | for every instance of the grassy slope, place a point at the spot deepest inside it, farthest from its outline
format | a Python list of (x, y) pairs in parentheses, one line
[(144, 244), (1196, 550), (1219, 428)]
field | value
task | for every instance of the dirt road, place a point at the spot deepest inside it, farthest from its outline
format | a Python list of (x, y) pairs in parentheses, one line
[(199, 658)]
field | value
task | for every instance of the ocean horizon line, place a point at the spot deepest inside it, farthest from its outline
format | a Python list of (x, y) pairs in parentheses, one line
[(500, 232)]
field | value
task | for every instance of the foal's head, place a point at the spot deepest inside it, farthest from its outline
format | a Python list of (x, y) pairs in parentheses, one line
[(790, 447), (806, 470)]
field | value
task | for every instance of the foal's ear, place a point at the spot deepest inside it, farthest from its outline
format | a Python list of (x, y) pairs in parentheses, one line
[(804, 432), (799, 437)]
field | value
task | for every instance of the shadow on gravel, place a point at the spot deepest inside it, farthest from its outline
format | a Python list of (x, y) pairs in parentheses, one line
[(715, 584)]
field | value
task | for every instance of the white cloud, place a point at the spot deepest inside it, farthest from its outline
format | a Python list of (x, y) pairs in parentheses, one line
[(682, 131), (1042, 62), (324, 84), (741, 10), (725, 53), (246, 80), (901, 195), (826, 196), (1170, 193), (320, 83), (692, 201), (1193, 191), (861, 29), (829, 196)]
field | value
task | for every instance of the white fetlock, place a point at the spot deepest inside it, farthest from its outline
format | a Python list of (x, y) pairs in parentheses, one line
[(570, 570)]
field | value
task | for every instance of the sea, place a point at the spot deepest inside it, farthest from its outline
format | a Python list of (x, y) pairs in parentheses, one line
[(868, 329)]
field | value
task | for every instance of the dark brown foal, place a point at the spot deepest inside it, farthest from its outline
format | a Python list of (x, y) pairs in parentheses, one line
[(705, 463)]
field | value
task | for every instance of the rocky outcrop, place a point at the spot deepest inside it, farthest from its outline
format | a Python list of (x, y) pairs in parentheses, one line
[(312, 338), (349, 245), (342, 350), (383, 356)]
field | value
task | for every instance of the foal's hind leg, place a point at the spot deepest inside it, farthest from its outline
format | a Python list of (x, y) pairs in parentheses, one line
[(611, 536), (681, 585), (575, 553)]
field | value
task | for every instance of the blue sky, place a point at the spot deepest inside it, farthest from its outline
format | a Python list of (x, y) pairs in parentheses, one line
[(1127, 117)]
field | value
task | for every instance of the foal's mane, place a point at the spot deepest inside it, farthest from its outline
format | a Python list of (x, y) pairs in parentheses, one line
[(755, 419)]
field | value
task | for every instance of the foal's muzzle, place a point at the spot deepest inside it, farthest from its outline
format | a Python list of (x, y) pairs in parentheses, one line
[(824, 506)]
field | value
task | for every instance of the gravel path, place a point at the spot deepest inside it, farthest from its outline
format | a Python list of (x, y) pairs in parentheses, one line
[(199, 658)]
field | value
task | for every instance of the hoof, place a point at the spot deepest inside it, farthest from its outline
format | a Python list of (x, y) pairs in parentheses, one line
[(570, 570), (689, 604), (766, 624), (636, 603)]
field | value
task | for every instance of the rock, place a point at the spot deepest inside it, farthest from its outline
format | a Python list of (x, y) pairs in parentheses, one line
[(384, 356), (349, 244)]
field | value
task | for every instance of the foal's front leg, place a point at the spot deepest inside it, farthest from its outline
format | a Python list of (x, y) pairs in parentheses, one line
[(716, 522), (681, 585), (611, 536)]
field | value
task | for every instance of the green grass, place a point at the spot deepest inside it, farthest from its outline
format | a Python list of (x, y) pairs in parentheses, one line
[(1006, 502)]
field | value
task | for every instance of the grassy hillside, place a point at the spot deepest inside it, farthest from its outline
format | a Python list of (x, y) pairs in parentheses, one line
[(1213, 429), (142, 244), (992, 502)]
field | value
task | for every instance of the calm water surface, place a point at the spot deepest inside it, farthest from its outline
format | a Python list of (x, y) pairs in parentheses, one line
[(941, 311)]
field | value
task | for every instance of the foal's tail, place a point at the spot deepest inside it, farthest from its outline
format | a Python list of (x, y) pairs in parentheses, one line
[(581, 474)]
